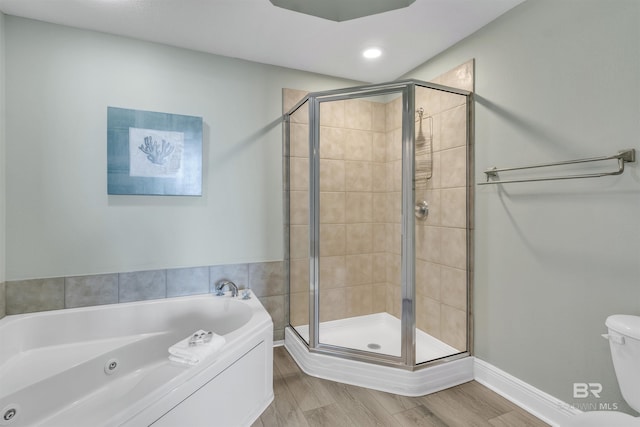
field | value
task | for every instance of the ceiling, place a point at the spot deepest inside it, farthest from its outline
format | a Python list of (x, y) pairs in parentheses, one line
[(258, 31)]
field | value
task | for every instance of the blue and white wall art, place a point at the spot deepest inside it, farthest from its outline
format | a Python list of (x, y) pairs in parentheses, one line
[(153, 153)]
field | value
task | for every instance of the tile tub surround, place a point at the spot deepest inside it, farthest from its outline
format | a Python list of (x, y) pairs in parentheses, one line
[(2, 300), (266, 279)]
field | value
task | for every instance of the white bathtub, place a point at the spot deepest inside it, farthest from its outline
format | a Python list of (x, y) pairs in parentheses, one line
[(53, 365)]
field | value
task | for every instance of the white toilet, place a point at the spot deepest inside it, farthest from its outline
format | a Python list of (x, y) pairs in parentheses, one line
[(624, 341)]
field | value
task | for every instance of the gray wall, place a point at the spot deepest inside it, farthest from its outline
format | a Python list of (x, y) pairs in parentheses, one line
[(555, 80), (60, 221)]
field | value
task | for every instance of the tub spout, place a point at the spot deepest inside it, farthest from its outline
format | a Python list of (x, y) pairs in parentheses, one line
[(224, 283)]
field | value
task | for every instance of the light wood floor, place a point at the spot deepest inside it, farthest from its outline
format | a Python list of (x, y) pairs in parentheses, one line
[(302, 400)]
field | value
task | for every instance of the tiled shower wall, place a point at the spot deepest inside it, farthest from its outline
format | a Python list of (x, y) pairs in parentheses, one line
[(266, 280), (352, 230), (441, 239)]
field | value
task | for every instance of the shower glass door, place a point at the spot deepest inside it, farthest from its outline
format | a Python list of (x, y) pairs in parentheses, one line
[(359, 208), (441, 229)]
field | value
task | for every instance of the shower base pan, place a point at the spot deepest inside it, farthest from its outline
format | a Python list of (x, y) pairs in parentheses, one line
[(380, 329), (377, 333)]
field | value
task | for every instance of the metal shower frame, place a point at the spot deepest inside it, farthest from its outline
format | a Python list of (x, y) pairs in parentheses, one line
[(406, 88)]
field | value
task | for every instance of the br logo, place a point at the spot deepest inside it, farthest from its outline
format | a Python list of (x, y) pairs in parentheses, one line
[(583, 390)]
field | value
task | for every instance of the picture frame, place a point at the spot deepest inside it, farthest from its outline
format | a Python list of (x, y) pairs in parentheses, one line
[(152, 153)]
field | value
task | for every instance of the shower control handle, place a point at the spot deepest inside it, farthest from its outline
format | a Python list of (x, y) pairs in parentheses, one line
[(422, 210)]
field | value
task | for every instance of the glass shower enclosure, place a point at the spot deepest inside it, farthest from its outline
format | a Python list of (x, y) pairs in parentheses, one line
[(378, 197)]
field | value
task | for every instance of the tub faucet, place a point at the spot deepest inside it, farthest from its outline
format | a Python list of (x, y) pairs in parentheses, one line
[(224, 283)]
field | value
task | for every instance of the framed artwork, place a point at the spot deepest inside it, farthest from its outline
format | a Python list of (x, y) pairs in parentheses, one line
[(151, 153)]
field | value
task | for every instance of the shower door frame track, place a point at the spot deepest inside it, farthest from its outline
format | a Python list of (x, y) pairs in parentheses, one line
[(406, 88)]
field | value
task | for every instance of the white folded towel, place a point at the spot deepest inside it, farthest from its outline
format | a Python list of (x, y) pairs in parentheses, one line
[(183, 353)]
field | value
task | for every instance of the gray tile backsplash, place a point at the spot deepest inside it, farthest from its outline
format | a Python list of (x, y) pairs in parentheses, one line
[(25, 296), (83, 291), (237, 273), (3, 304), (187, 281), (142, 285), (266, 279)]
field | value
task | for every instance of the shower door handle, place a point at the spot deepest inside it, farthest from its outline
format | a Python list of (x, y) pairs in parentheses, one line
[(421, 210)]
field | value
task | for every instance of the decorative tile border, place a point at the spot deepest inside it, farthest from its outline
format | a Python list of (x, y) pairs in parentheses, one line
[(265, 279)]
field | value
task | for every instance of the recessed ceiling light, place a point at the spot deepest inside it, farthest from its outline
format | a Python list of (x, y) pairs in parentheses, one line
[(372, 53)]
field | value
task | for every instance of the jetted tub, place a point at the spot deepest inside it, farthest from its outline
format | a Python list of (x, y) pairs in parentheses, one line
[(108, 365)]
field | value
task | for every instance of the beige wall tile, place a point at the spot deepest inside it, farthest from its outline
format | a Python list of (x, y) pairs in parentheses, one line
[(299, 242), (378, 115), (332, 239), (299, 207), (275, 305), (454, 207), (332, 114), (358, 145), (379, 207), (299, 275), (394, 301), (332, 207), (428, 243), (379, 238), (358, 176), (454, 287), (433, 199), (332, 305), (379, 176), (394, 144), (451, 100), (460, 77), (359, 269), (359, 300), (359, 238), (428, 316), (428, 279), (299, 308), (333, 272), (394, 114), (291, 97), (453, 128), (379, 147), (394, 276), (379, 267), (454, 327), (299, 140), (332, 175), (379, 297), (332, 143), (267, 278), (454, 247), (299, 174), (359, 207), (453, 164), (358, 114)]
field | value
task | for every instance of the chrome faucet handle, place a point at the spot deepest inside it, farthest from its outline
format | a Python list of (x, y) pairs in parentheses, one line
[(228, 284)]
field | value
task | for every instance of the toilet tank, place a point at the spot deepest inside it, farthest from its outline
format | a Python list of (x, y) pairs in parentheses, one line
[(624, 341)]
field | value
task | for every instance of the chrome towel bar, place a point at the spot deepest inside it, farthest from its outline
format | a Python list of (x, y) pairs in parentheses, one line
[(623, 156)]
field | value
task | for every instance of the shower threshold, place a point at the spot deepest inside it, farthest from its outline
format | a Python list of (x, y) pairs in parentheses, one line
[(430, 378), (377, 333)]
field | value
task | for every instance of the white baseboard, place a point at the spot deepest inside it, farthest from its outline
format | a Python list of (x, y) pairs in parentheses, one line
[(544, 406)]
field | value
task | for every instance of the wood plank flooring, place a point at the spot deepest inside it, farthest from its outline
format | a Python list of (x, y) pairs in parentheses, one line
[(302, 400)]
